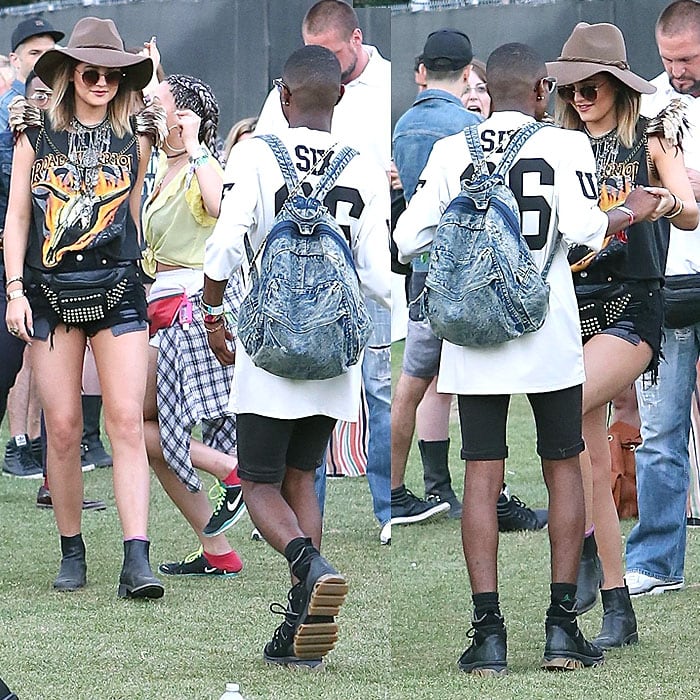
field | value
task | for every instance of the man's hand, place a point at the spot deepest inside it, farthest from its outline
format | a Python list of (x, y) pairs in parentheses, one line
[(217, 340)]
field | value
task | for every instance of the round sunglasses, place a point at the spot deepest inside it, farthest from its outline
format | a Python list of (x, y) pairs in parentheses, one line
[(92, 76), (588, 92)]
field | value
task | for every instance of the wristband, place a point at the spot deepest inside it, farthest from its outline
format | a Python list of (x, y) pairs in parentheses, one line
[(628, 212), (200, 157), (212, 310), (17, 278), (212, 318), (11, 296)]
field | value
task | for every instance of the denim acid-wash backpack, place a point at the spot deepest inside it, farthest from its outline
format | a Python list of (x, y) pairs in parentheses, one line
[(483, 287), (305, 316)]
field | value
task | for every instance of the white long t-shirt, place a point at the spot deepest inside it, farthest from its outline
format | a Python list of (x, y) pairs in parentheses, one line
[(254, 190), (553, 179)]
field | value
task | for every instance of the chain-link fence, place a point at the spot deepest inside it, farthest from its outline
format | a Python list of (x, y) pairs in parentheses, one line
[(434, 5)]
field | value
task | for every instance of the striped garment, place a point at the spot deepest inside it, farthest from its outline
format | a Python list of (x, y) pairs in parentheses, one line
[(347, 453)]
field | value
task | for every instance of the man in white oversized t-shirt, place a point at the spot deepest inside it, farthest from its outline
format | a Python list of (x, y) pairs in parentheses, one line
[(553, 180), (362, 119), (284, 425)]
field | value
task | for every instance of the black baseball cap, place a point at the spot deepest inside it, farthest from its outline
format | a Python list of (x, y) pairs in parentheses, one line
[(446, 50), (34, 26)]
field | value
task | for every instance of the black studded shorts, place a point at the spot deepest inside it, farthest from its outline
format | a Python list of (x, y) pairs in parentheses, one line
[(127, 314), (632, 311)]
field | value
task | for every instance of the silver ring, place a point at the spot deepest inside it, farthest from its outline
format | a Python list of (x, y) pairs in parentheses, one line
[(13, 331)]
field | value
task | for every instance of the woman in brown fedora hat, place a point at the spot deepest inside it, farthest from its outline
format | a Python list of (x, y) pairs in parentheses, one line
[(619, 288), (71, 249)]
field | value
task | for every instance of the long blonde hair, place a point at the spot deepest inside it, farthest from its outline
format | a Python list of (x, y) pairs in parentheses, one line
[(627, 110), (62, 108)]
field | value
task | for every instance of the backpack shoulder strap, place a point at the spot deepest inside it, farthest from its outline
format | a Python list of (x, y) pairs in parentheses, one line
[(284, 160), (516, 142), (471, 133), (335, 167)]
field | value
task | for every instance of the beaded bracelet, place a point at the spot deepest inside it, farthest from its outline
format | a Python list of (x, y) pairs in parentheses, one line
[(678, 207), (17, 278), (211, 318)]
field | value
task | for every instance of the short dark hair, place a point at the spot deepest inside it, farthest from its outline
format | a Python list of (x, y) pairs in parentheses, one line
[(513, 69), (330, 14), (312, 74), (678, 17)]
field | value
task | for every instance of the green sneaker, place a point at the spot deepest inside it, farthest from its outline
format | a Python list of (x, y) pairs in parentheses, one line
[(228, 511)]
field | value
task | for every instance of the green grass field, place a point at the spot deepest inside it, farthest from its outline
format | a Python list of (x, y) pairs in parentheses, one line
[(402, 629), (431, 606), (90, 645)]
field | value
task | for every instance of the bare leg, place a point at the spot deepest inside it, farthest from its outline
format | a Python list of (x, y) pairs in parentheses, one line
[(407, 395), (612, 364), (482, 485), (433, 415), (566, 516), (283, 512), (58, 372), (122, 364)]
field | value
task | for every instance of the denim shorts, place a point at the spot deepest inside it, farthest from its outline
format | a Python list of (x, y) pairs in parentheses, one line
[(127, 316), (421, 356), (267, 446), (557, 421), (642, 320)]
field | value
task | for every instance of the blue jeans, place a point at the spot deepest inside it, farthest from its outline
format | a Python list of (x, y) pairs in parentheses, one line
[(656, 545), (376, 375)]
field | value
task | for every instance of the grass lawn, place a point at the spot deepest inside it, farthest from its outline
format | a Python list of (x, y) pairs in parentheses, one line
[(90, 645), (431, 606), (402, 629)]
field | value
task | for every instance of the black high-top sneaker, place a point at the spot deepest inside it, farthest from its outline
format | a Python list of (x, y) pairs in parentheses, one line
[(486, 655), (280, 649), (566, 649), (514, 515)]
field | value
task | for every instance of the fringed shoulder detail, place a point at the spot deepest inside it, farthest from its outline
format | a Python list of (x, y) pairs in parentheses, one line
[(670, 124), (23, 115), (151, 121)]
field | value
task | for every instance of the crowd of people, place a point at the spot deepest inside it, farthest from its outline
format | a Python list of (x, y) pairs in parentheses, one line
[(134, 239)]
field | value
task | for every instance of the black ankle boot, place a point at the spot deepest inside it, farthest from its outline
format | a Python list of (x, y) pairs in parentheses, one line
[(73, 572), (590, 576), (137, 579), (619, 622), (436, 474)]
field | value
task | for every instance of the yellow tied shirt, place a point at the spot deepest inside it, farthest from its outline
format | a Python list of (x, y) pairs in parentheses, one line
[(175, 223)]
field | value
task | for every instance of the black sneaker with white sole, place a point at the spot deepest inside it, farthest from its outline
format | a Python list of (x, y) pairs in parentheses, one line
[(228, 511), (407, 508), (196, 564), (514, 515)]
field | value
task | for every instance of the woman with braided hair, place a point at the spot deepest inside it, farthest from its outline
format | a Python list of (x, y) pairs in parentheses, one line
[(186, 385)]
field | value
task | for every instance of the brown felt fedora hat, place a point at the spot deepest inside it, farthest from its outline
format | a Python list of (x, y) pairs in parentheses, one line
[(596, 48), (97, 42)]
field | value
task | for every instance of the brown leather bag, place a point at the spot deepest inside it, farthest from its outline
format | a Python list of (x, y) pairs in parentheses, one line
[(624, 440)]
